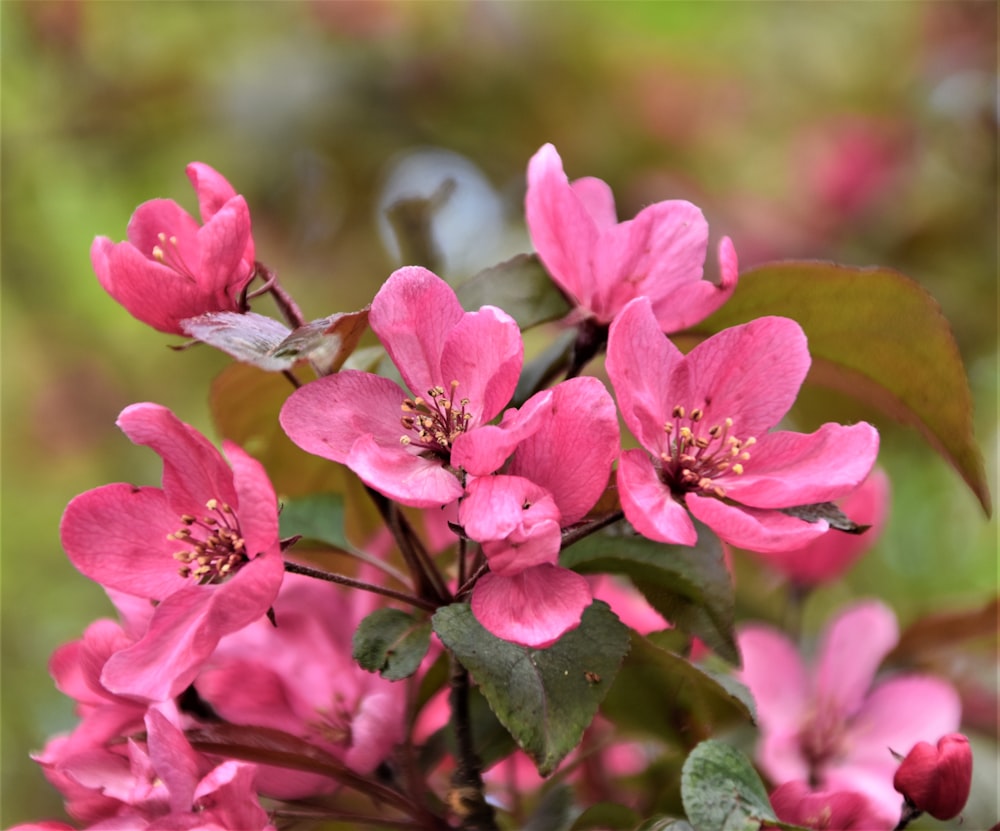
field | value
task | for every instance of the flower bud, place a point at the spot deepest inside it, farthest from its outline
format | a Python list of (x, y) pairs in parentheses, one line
[(937, 779)]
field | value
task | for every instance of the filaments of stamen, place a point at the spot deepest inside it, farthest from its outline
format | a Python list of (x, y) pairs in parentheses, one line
[(435, 421), (697, 457), (216, 545), (168, 253)]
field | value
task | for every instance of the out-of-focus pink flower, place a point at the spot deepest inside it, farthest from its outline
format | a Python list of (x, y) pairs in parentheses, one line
[(172, 268), (705, 419), (300, 677), (829, 556), (557, 471), (602, 264), (937, 779), (461, 369), (825, 725), (628, 603), (204, 547), (826, 810)]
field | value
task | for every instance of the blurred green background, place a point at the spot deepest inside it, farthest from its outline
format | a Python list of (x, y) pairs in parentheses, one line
[(860, 132)]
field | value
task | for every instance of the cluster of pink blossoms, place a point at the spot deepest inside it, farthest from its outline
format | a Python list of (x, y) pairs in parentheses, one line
[(214, 632)]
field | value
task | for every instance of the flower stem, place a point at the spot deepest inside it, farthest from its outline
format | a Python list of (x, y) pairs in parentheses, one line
[(466, 796), (584, 529), (343, 580)]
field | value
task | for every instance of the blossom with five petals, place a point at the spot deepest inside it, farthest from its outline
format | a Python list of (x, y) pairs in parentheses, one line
[(461, 369), (204, 547), (555, 475), (602, 264), (171, 268), (704, 419), (825, 726)]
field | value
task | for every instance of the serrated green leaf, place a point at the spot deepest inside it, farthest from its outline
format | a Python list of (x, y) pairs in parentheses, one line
[(690, 586), (520, 286), (318, 517), (878, 336), (545, 697), (722, 791), (663, 694), (391, 643), (606, 815)]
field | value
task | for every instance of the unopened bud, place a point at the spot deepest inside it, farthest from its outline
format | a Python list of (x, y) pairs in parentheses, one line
[(937, 779)]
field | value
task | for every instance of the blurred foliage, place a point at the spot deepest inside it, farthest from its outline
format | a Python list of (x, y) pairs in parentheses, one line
[(864, 133)]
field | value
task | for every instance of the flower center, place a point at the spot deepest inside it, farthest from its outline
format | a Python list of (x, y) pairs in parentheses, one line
[(168, 253), (332, 724), (436, 421), (697, 455), (216, 545), (821, 740)]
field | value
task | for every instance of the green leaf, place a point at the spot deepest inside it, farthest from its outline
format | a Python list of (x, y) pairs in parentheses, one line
[(391, 643), (606, 815), (878, 336), (722, 791), (553, 811), (664, 824), (690, 586), (318, 517), (520, 286), (663, 694), (545, 697)]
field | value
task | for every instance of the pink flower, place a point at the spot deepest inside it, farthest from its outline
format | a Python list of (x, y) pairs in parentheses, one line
[(557, 471), (204, 547), (602, 264), (797, 803), (171, 268), (704, 419), (461, 369), (830, 555), (825, 725), (300, 677), (937, 779)]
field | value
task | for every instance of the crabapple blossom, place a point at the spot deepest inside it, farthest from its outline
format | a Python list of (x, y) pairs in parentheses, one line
[(828, 724), (937, 779), (704, 420), (204, 548), (170, 267), (461, 369), (602, 264)]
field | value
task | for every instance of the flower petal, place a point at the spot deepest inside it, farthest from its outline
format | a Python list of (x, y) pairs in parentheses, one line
[(484, 450), (484, 353), (412, 315), (193, 470), (561, 226), (648, 504), (649, 256), (117, 536), (753, 529), (749, 373), (571, 453), (258, 505), (788, 469), (641, 363), (403, 476), (533, 608), (774, 672), (223, 273), (851, 649)]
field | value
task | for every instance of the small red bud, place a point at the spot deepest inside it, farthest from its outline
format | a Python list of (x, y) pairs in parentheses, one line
[(937, 779)]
